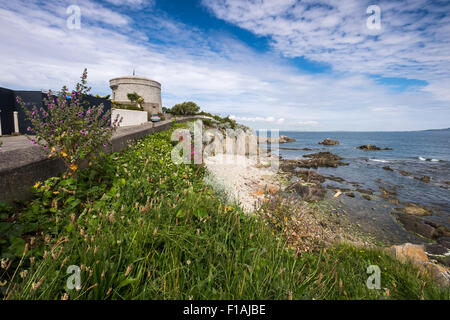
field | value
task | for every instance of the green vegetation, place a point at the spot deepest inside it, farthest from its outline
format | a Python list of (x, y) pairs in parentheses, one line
[(184, 109), (107, 97), (136, 99), (68, 127), (125, 106), (141, 227)]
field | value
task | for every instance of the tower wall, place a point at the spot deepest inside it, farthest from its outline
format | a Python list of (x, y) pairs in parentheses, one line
[(148, 89)]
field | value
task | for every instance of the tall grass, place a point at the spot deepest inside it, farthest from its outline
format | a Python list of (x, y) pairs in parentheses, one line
[(160, 233)]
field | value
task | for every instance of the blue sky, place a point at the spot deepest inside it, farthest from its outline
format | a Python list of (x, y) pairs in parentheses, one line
[(288, 64)]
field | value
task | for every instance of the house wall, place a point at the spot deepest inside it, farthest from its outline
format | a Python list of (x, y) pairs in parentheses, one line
[(130, 117)]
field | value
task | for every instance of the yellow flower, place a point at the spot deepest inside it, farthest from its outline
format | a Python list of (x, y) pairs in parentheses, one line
[(73, 167), (64, 154), (53, 149), (37, 185), (56, 192)]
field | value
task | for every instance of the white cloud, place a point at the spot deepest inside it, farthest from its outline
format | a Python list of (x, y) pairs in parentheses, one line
[(132, 3), (308, 123), (257, 119), (410, 44), (221, 74)]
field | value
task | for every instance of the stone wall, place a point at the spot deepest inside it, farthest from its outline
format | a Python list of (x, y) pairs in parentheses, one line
[(130, 117), (21, 168)]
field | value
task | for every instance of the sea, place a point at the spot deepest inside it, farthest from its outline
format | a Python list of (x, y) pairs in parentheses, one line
[(419, 153)]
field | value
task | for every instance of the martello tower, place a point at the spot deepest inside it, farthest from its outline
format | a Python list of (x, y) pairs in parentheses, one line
[(148, 89)]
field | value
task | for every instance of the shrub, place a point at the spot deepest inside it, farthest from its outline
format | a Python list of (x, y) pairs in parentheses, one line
[(185, 108), (125, 106), (136, 99), (165, 110), (107, 97), (67, 127)]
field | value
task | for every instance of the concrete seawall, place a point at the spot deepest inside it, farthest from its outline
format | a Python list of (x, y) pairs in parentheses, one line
[(23, 164)]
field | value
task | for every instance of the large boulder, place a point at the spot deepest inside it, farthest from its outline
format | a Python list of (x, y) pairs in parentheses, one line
[(416, 254), (308, 192), (315, 160), (417, 210), (417, 225), (286, 139), (410, 252), (369, 147), (329, 142)]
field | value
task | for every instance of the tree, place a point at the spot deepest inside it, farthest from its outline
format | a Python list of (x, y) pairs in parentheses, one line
[(185, 108), (135, 98)]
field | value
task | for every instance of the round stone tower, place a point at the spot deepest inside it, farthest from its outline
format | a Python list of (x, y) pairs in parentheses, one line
[(148, 89)]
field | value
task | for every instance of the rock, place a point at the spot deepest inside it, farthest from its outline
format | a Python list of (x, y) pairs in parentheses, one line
[(417, 210), (417, 225), (281, 139), (315, 160), (410, 252), (308, 192), (444, 260), (337, 194), (272, 188), (366, 191), (404, 173), (444, 241), (350, 194), (258, 193), (393, 201), (435, 249), (286, 139), (388, 168), (424, 179), (334, 178), (369, 147), (416, 254), (310, 176), (367, 197), (386, 194), (329, 142), (439, 273), (292, 148)]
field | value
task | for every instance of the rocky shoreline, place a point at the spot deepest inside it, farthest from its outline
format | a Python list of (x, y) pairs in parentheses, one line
[(253, 184)]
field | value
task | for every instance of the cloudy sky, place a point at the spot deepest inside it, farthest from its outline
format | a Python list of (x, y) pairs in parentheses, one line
[(288, 64)]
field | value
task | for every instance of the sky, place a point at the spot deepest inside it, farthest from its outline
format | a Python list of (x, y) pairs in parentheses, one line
[(285, 64)]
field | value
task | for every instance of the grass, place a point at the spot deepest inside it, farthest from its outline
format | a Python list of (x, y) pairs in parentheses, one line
[(141, 227)]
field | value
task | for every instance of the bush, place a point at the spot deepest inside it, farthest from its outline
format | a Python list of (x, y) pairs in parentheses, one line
[(185, 108), (107, 97), (68, 127), (125, 106)]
